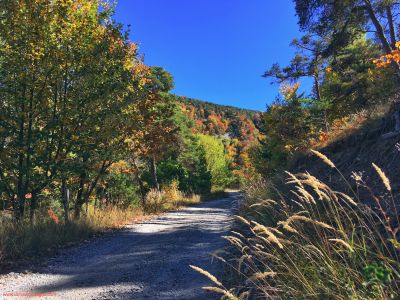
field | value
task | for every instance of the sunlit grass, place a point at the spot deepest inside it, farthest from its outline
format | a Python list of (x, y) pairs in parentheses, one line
[(314, 242)]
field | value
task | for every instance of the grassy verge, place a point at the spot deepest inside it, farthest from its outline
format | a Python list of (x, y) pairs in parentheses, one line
[(309, 241), (21, 243)]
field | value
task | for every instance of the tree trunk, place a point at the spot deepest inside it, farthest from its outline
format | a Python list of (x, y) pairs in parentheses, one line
[(87, 205), (33, 208), (79, 197), (317, 87), (381, 35), (392, 30), (65, 199), (141, 186), (153, 169), (142, 190)]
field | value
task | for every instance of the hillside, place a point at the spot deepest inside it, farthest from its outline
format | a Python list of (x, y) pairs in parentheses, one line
[(353, 154), (236, 126)]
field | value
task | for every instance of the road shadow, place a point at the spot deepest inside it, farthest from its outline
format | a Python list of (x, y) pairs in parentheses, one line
[(149, 260)]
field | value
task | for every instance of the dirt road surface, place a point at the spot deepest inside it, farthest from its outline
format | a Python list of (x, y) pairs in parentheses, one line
[(144, 261)]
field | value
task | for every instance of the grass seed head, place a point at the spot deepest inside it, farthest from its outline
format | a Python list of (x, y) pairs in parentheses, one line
[(324, 158), (384, 178)]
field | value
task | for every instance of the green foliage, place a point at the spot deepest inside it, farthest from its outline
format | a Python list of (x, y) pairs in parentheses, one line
[(353, 82), (288, 128), (120, 190), (217, 163), (187, 164), (345, 83)]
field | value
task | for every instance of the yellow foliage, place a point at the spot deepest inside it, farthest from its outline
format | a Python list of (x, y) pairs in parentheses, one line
[(288, 90)]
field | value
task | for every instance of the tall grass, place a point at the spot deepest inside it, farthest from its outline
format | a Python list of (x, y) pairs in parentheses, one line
[(24, 240), (313, 242), (170, 197)]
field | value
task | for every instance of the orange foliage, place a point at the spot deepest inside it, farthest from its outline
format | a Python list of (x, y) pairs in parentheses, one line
[(386, 60), (53, 216)]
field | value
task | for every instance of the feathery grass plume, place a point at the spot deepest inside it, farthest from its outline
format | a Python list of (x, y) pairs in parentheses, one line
[(299, 204), (324, 158), (207, 274), (216, 253), (218, 258), (306, 194), (343, 243), (268, 255), (277, 231), (382, 175), (313, 248), (326, 246), (259, 246), (262, 275), (233, 240), (285, 225), (242, 259), (294, 179), (243, 220), (271, 236), (357, 176), (346, 197), (220, 291), (308, 220), (265, 203), (238, 234)]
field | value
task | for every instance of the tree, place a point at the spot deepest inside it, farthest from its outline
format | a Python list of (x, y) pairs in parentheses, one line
[(287, 127), (217, 163), (156, 133), (308, 62), (352, 82), (66, 73), (342, 22)]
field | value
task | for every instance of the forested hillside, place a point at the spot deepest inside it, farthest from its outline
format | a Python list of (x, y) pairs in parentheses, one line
[(236, 127)]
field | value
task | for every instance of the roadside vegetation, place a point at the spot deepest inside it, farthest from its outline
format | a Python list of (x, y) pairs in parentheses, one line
[(322, 219), (90, 136)]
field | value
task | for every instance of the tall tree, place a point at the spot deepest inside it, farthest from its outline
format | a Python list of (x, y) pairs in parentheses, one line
[(66, 71), (343, 21), (308, 62), (157, 131)]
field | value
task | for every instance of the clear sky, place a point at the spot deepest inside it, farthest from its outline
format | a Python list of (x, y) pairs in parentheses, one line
[(216, 50)]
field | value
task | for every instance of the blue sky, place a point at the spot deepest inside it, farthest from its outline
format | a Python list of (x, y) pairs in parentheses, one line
[(216, 50)]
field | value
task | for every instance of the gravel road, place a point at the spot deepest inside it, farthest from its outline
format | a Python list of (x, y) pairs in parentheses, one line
[(144, 261)]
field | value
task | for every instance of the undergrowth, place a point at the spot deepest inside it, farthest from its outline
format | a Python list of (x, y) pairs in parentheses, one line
[(22, 241)]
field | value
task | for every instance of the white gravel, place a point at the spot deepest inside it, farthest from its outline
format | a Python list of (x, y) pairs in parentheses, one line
[(145, 261)]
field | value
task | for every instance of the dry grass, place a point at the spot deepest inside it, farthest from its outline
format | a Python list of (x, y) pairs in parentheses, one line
[(314, 243), (24, 241), (347, 126), (168, 198)]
